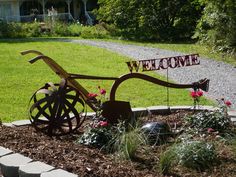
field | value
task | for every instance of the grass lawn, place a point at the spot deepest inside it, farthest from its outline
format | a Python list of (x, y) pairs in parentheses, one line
[(19, 79)]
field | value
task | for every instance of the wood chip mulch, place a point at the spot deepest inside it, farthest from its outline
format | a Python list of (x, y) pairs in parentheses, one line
[(64, 153)]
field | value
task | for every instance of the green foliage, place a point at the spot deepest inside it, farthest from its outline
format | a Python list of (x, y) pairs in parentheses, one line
[(167, 159), (196, 155), (60, 29), (127, 143), (65, 29), (97, 31), (217, 120), (31, 29), (75, 29), (10, 30), (162, 19), (217, 26), (96, 137)]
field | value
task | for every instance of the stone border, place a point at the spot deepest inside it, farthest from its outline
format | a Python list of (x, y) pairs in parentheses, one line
[(17, 165)]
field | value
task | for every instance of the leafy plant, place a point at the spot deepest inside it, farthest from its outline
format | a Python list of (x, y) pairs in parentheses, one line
[(96, 31), (97, 136), (74, 29), (217, 26), (217, 120), (196, 155)]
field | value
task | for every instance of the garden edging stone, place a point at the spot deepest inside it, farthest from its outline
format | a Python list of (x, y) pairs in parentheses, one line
[(10, 164), (58, 173), (34, 169), (4, 151), (17, 165)]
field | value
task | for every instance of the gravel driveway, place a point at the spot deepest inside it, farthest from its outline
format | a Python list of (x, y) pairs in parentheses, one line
[(222, 76)]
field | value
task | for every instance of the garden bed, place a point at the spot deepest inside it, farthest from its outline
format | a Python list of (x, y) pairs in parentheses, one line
[(63, 152)]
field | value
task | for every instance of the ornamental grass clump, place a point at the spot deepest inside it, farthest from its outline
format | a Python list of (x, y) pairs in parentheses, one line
[(197, 155), (127, 143)]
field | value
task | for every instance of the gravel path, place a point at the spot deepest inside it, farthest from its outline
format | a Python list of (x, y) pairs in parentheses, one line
[(222, 76)]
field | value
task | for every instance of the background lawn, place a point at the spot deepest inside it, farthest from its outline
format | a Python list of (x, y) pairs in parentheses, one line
[(19, 79)]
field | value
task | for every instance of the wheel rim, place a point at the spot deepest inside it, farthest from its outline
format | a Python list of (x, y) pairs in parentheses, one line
[(57, 109)]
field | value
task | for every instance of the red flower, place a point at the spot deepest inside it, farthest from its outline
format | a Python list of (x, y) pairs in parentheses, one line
[(228, 103), (199, 93), (103, 123), (194, 94), (103, 91), (92, 95), (210, 130)]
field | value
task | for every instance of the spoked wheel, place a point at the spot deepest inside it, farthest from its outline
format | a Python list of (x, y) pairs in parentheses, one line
[(56, 109)]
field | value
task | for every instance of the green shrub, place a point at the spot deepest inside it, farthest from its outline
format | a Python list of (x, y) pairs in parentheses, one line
[(196, 155), (217, 120), (11, 30), (31, 29), (96, 31), (96, 136), (75, 29), (60, 29)]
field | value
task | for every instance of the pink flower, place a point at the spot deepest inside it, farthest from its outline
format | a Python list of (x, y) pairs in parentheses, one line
[(92, 95), (210, 130), (103, 123), (228, 103), (103, 91)]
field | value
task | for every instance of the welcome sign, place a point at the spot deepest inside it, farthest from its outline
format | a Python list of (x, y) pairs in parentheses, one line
[(164, 63)]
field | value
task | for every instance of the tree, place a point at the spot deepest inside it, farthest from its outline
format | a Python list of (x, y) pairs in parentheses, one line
[(217, 25), (151, 19)]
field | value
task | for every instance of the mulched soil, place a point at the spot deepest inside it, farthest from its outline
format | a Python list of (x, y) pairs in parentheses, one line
[(63, 152)]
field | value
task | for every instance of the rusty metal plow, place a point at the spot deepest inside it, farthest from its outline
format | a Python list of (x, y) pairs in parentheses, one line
[(58, 109)]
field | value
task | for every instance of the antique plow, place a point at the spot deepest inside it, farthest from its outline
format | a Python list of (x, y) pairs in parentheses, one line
[(58, 109)]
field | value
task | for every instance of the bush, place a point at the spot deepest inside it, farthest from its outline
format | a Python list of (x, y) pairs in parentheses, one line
[(96, 31), (60, 29), (97, 136), (217, 120), (31, 29), (75, 29), (196, 155), (11, 30)]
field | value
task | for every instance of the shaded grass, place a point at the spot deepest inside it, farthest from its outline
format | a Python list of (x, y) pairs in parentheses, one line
[(19, 79)]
